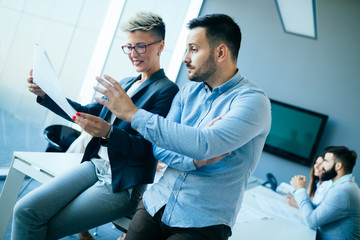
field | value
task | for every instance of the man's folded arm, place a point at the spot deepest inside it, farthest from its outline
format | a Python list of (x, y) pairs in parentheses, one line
[(174, 160), (237, 127)]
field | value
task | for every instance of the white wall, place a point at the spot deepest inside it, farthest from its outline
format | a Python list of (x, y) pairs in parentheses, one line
[(321, 75), (67, 29)]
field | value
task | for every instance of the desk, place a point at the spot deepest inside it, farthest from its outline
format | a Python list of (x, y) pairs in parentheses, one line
[(42, 166), (274, 228)]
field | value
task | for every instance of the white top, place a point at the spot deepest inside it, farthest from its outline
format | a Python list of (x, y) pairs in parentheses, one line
[(321, 190), (103, 154)]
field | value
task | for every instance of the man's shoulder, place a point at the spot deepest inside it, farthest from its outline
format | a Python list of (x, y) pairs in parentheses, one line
[(245, 85), (247, 91), (191, 87), (352, 188), (344, 191)]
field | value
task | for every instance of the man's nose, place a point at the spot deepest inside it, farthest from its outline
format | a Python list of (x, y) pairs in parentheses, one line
[(186, 58)]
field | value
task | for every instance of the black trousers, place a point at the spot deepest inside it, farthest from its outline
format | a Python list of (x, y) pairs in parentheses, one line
[(144, 226)]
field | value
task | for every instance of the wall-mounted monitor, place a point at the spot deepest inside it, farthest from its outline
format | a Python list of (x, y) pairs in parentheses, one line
[(295, 132)]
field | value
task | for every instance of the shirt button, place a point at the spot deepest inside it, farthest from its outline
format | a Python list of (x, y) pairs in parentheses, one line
[(182, 174), (208, 101), (174, 192), (138, 129)]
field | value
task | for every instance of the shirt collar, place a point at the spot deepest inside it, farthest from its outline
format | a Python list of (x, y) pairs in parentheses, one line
[(228, 85), (345, 178)]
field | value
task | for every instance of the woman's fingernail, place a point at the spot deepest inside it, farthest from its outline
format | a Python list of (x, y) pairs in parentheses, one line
[(77, 114), (73, 118)]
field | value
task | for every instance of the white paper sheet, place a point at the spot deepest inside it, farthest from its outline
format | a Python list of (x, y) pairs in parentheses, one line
[(44, 75), (249, 214), (278, 208)]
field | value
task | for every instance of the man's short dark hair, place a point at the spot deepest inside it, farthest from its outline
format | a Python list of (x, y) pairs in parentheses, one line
[(345, 156), (220, 28)]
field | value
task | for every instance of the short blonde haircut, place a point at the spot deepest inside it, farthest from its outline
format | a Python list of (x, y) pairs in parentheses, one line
[(146, 21)]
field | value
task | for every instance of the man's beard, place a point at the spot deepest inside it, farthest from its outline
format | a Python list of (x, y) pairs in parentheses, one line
[(205, 71), (329, 174)]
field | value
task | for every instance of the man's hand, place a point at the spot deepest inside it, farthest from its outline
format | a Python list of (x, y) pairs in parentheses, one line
[(33, 87), (95, 126), (119, 103), (160, 167), (210, 160), (198, 163), (214, 120), (298, 181)]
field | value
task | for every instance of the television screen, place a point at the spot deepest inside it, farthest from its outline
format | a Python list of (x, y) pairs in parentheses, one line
[(295, 132)]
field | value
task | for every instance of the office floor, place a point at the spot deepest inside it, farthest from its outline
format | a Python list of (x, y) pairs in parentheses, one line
[(18, 135)]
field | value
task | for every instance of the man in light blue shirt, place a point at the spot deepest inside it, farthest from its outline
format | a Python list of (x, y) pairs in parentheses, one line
[(337, 217), (209, 161)]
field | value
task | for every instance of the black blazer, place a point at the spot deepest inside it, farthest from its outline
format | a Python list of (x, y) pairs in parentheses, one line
[(131, 158)]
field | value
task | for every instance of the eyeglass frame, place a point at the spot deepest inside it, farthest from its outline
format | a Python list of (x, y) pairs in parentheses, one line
[(134, 47)]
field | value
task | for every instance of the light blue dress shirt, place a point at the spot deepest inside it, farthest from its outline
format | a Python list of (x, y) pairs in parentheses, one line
[(212, 194), (338, 215)]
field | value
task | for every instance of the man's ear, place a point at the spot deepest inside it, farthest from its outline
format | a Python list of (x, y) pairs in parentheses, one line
[(222, 53), (338, 166)]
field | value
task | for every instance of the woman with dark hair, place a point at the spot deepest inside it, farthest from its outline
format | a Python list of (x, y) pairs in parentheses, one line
[(317, 188)]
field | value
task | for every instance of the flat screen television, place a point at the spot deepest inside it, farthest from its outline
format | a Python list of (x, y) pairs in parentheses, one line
[(295, 132)]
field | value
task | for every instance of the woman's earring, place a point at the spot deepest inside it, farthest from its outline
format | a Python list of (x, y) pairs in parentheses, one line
[(158, 54)]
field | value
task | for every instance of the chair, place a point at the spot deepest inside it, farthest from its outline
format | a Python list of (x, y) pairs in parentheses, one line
[(59, 137), (123, 223)]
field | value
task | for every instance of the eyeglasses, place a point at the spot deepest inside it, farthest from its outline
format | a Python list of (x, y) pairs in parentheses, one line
[(139, 48)]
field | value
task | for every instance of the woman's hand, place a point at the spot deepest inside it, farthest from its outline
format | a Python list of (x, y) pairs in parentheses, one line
[(291, 201), (95, 126), (33, 87)]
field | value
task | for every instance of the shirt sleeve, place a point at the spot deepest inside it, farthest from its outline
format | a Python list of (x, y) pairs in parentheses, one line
[(170, 158), (174, 160), (247, 117), (331, 208)]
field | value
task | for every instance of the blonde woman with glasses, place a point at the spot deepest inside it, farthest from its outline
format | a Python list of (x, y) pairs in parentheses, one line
[(117, 162)]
